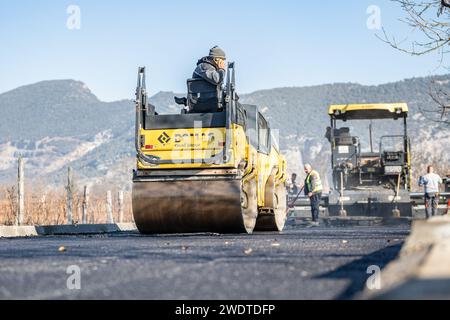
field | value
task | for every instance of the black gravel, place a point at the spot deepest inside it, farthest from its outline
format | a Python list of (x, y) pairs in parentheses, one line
[(317, 263)]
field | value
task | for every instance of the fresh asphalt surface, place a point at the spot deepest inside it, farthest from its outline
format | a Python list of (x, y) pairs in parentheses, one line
[(300, 263)]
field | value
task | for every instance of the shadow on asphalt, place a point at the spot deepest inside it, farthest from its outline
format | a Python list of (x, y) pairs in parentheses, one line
[(356, 271)]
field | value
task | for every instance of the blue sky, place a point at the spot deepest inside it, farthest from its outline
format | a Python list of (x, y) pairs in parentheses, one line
[(275, 43)]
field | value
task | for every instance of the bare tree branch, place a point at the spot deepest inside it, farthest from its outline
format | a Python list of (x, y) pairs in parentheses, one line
[(431, 19), (442, 100)]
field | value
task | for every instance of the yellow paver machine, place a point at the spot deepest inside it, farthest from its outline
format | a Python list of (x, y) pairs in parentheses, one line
[(370, 181), (215, 167)]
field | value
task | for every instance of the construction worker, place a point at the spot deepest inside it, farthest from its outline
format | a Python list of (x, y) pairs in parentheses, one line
[(293, 188), (313, 189), (212, 67), (431, 182)]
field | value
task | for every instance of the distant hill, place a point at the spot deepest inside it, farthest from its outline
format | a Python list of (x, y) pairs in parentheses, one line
[(61, 122), (58, 108)]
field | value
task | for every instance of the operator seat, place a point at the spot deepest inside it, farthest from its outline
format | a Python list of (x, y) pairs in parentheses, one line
[(343, 137), (202, 97)]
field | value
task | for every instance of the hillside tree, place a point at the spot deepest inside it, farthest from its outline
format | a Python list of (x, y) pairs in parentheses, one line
[(429, 22)]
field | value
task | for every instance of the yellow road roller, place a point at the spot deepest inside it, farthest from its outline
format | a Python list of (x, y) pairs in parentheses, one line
[(215, 167)]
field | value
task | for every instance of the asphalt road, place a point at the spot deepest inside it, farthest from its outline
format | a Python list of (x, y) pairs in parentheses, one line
[(317, 263)]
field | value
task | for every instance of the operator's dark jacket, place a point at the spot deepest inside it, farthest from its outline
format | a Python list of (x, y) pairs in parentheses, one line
[(207, 70)]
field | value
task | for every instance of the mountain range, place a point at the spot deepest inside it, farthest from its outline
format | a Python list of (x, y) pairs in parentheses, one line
[(60, 123)]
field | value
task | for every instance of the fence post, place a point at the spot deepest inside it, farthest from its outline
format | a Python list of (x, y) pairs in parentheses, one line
[(92, 216), (85, 205), (120, 202), (69, 189), (109, 213), (43, 210), (20, 193)]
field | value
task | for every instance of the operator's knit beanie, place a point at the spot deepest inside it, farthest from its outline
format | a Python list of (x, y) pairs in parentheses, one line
[(216, 52)]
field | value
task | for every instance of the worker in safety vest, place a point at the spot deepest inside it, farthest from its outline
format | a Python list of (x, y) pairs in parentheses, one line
[(313, 189)]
